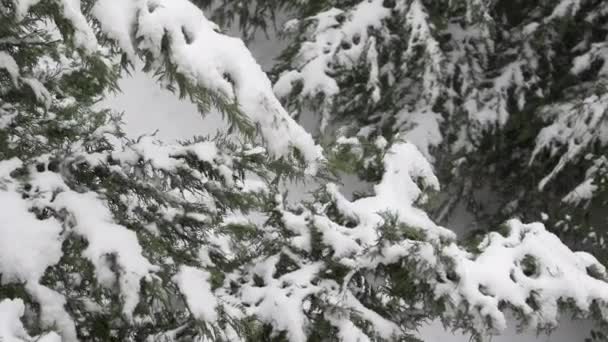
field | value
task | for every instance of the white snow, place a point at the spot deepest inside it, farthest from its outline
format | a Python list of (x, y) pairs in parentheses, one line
[(422, 129), (395, 194), (7, 62), (565, 7), (21, 230), (94, 222), (497, 274), (194, 285), (117, 18), (52, 311), (42, 239), (23, 6), (582, 192), (8, 166), (598, 51), (84, 36), (40, 91), (11, 328), (484, 279), (204, 151), (313, 62), (281, 301)]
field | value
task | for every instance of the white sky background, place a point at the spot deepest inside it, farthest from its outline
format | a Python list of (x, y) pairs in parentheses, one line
[(148, 107)]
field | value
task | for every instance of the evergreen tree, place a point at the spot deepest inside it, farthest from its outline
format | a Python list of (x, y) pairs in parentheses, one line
[(104, 238), (506, 98)]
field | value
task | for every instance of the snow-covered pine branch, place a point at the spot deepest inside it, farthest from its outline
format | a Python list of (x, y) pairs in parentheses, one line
[(502, 96), (104, 238), (186, 49)]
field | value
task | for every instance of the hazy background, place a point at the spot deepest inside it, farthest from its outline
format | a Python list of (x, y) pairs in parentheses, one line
[(148, 108)]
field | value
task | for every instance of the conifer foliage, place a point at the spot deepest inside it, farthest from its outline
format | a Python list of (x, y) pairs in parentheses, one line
[(106, 238), (505, 96)]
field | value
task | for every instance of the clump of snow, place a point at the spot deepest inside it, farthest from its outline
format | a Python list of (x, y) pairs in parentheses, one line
[(598, 51), (529, 268), (42, 239), (93, 221), (21, 230), (494, 106), (117, 18), (565, 7), (194, 284), (311, 66), (281, 301), (84, 36), (40, 91), (53, 314), (11, 328), (421, 129), (7, 62), (23, 6), (582, 192), (396, 194), (204, 151), (8, 166)]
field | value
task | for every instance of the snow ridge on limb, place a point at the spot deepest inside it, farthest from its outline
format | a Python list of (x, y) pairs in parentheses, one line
[(178, 33), (528, 270)]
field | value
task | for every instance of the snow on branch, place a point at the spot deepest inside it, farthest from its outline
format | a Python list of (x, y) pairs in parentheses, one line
[(177, 32), (339, 39), (527, 269)]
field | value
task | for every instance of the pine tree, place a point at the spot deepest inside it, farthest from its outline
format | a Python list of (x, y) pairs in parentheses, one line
[(105, 238)]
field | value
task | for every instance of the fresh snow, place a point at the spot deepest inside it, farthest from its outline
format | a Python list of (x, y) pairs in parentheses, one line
[(194, 284), (314, 58), (228, 69), (93, 221), (497, 274), (11, 328), (7, 62), (21, 230), (395, 194)]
